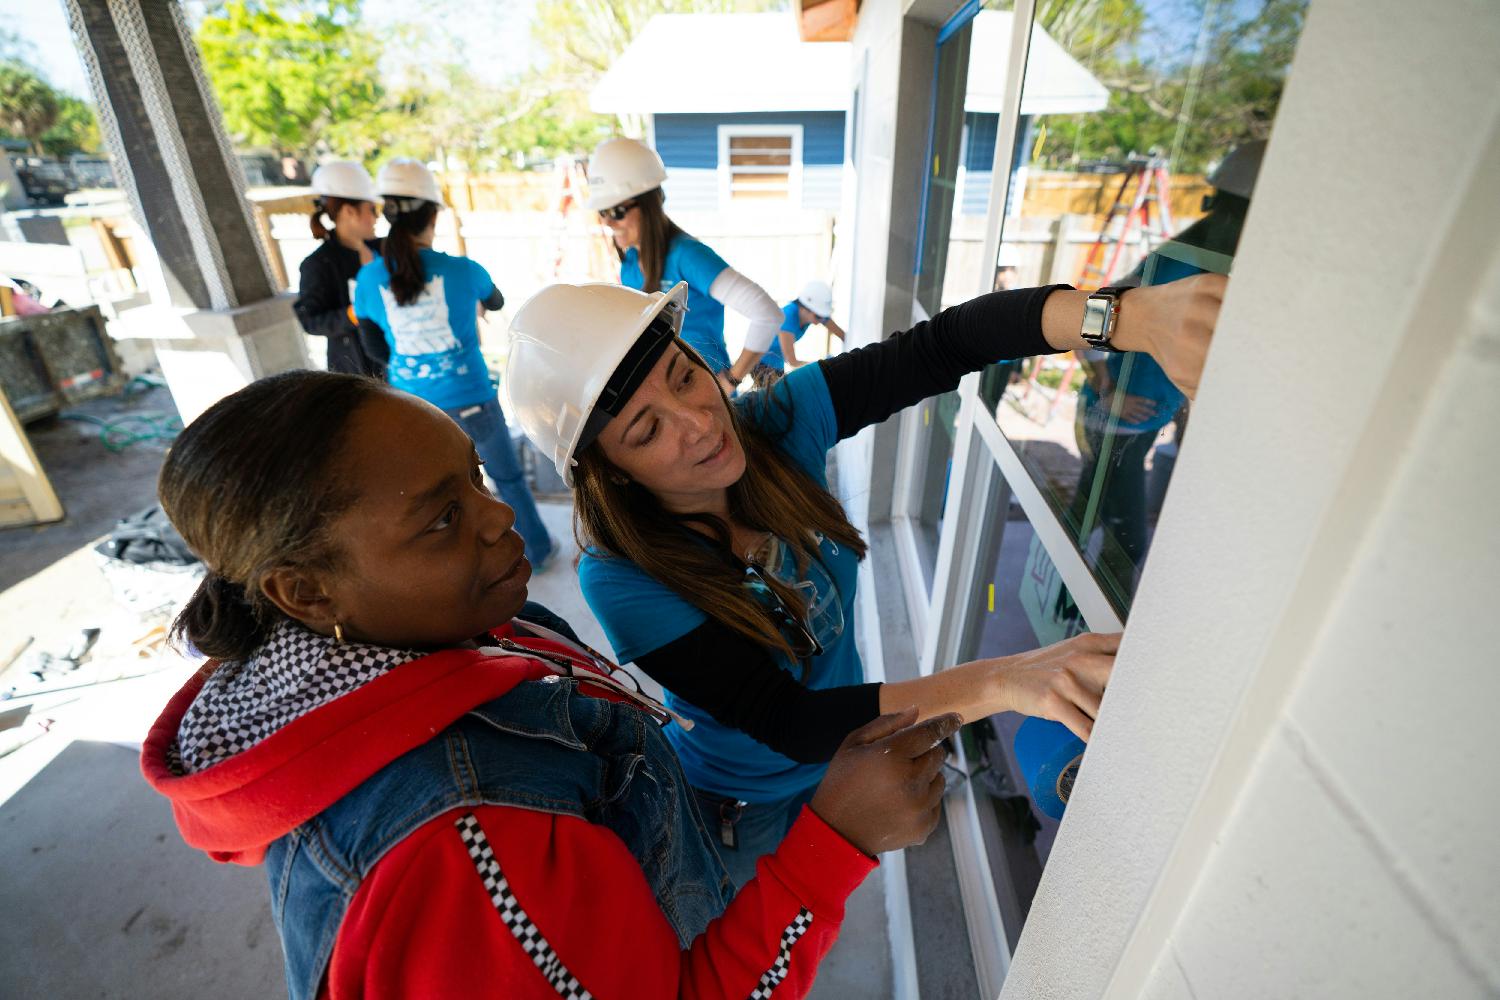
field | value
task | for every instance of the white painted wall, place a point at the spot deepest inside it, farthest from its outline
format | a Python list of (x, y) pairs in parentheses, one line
[(1292, 791)]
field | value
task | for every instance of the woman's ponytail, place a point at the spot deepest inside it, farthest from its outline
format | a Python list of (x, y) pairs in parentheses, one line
[(331, 207), (403, 261), (220, 621)]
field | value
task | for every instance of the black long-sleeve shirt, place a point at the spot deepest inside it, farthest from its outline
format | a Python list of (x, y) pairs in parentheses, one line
[(746, 689), (322, 306)]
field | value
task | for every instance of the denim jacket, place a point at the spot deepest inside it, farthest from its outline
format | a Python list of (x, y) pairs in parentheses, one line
[(541, 746)]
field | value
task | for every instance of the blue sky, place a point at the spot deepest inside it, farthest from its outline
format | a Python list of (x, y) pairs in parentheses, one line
[(494, 37)]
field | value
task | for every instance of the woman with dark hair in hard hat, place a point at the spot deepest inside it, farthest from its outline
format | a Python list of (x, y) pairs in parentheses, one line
[(344, 221), (717, 559), (418, 312), (625, 179), (814, 304)]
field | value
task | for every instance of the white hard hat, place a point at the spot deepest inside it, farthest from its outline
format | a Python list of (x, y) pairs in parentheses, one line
[(619, 170), (344, 179), (817, 297), (1009, 256), (404, 177), (577, 355), (1236, 173)]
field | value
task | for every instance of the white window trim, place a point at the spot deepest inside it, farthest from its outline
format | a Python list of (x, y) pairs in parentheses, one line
[(794, 180)]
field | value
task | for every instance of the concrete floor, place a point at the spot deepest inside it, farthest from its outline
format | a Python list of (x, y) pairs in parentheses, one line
[(103, 899)]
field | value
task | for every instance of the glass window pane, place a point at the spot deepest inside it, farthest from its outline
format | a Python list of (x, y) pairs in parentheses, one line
[(1141, 132), (950, 263), (1020, 604)]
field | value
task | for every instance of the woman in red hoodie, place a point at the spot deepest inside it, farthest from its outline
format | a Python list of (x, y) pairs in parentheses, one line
[(445, 807)]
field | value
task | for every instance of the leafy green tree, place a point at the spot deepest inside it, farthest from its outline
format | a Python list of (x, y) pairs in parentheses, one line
[(450, 116), (28, 104), (299, 76), (76, 129), (1219, 87)]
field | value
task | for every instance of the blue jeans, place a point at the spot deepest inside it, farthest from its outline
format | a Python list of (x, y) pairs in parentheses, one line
[(486, 427), (758, 828)]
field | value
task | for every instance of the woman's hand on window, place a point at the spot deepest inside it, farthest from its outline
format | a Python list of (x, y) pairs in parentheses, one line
[(1174, 323), (1063, 682)]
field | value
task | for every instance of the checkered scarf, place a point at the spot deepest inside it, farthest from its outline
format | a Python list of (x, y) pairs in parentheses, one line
[(294, 672)]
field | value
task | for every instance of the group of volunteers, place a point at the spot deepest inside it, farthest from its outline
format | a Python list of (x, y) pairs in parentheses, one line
[(451, 793)]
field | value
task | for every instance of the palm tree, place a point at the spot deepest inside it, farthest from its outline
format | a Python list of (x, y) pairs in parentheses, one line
[(28, 106)]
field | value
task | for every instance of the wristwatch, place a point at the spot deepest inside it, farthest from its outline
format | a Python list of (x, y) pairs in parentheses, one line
[(1101, 311)]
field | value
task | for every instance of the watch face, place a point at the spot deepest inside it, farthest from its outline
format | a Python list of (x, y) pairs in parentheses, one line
[(1095, 315)]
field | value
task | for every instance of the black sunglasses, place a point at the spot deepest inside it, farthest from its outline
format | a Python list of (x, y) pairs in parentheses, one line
[(804, 644), (619, 212)]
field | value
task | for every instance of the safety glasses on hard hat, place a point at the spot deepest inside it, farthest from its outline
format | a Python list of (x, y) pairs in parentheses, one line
[(618, 213)]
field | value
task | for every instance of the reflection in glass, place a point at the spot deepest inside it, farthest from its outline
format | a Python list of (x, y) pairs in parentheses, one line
[(1151, 187), (1022, 605)]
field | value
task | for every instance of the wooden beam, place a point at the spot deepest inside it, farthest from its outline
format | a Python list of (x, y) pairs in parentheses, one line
[(827, 20), (26, 494)]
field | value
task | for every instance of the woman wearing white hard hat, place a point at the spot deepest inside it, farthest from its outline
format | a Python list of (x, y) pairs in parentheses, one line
[(418, 311), (814, 304), (625, 179), (344, 221), (717, 559)]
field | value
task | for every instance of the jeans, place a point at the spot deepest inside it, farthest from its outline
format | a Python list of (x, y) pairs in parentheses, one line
[(486, 427), (758, 828)]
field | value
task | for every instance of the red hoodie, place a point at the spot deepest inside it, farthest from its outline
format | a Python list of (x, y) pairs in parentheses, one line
[(423, 923)]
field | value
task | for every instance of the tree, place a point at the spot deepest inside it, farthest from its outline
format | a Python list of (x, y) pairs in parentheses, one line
[(299, 76), (583, 38), (447, 114), (76, 129), (28, 104), (1192, 95)]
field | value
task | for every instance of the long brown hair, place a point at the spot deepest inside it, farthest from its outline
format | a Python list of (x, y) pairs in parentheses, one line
[(691, 553), (657, 232), (252, 485), (403, 259)]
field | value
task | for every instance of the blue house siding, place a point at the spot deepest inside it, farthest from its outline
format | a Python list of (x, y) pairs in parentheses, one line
[(689, 147), (981, 131), (981, 134)]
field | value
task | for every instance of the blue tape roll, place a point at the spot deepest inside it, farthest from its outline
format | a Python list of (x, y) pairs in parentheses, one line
[(1049, 755)]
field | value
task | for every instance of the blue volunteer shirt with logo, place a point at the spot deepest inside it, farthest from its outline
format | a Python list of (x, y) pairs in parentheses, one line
[(434, 341), (640, 614), (694, 262)]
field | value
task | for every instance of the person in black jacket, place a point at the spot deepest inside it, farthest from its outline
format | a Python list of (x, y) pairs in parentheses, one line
[(346, 199)]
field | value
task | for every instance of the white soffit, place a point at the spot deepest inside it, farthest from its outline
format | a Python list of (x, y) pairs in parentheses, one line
[(1056, 83), (724, 63)]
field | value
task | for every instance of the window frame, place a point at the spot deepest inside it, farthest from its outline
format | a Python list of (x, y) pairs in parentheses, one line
[(726, 174), (942, 620)]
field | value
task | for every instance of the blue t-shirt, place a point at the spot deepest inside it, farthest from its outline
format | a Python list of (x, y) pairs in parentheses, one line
[(693, 262), (791, 322), (1143, 378), (640, 614), (434, 341)]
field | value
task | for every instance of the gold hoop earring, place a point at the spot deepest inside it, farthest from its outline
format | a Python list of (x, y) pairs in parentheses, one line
[(338, 632)]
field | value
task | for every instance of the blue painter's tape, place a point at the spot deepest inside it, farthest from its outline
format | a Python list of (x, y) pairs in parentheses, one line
[(1049, 755)]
